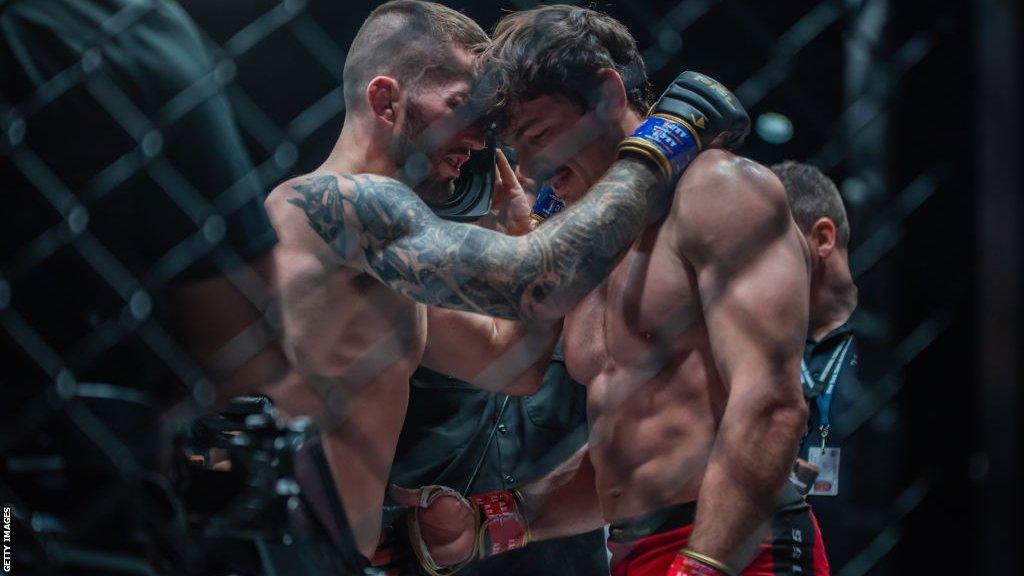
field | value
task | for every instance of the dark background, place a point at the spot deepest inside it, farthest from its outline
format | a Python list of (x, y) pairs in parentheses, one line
[(911, 107), (901, 133)]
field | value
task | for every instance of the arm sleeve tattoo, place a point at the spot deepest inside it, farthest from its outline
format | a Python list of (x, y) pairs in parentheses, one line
[(394, 236)]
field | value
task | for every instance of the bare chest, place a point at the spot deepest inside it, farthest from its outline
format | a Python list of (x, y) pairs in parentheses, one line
[(646, 313), (383, 320), (361, 327)]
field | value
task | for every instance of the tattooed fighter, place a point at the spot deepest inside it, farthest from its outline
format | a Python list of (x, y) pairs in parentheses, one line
[(690, 349), (360, 253)]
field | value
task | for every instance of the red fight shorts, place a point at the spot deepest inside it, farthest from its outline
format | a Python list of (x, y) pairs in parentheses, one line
[(646, 546)]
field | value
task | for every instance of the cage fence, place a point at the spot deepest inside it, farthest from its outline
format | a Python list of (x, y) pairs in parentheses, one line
[(836, 83)]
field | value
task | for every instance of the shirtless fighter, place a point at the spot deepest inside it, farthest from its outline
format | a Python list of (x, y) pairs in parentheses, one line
[(360, 253), (690, 349)]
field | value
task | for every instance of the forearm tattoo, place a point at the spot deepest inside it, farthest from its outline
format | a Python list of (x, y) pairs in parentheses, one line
[(465, 267)]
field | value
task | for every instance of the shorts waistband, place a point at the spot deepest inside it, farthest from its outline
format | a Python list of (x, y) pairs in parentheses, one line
[(661, 520)]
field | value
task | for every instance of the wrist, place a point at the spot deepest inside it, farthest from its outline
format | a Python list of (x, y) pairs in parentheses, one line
[(503, 527), (667, 142), (690, 563)]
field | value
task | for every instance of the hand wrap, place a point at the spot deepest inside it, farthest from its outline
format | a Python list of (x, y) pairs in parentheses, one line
[(500, 526)]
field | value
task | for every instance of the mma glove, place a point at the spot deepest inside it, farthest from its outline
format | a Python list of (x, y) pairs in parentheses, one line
[(694, 113)]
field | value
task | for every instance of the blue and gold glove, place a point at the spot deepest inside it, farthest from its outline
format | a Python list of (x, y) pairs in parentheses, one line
[(694, 113)]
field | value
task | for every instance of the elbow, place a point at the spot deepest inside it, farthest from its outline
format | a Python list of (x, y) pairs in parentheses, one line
[(786, 414), (776, 407), (781, 422), (790, 416), (784, 404)]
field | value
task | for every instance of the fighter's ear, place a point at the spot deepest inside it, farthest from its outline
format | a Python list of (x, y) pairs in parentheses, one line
[(823, 237), (612, 100), (382, 96)]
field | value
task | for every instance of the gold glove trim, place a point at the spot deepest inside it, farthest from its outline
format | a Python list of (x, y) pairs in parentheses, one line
[(705, 559), (646, 149)]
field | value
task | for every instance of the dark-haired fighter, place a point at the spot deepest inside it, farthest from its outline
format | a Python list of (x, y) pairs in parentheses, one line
[(360, 252), (690, 349)]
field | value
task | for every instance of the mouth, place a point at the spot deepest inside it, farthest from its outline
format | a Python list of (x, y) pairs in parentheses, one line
[(455, 160)]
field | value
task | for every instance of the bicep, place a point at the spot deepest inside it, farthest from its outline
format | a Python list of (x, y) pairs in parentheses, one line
[(751, 267), (756, 309)]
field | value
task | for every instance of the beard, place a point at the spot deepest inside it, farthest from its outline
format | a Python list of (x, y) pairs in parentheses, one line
[(418, 164)]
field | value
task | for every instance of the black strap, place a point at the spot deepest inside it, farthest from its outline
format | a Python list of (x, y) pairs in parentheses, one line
[(661, 520)]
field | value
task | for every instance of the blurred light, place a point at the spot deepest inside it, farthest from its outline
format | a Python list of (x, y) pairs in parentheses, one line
[(670, 41), (286, 154), (774, 128), (140, 305), (78, 219), (152, 143), (225, 72), (855, 191), (16, 131)]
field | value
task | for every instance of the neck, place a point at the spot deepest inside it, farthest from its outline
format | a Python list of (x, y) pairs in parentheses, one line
[(833, 296), (356, 152), (630, 122), (619, 129)]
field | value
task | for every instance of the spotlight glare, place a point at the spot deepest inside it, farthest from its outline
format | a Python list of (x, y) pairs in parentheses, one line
[(774, 128)]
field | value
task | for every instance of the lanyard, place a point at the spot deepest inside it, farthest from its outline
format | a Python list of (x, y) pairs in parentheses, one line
[(830, 375), (805, 373)]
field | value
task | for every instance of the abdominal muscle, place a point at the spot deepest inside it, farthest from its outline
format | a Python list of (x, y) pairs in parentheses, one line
[(652, 423)]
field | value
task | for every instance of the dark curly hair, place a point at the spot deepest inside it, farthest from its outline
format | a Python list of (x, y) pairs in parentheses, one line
[(560, 49)]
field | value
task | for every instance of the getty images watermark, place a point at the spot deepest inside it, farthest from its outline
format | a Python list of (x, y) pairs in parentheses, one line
[(7, 539)]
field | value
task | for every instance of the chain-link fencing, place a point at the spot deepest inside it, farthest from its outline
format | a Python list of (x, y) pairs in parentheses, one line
[(88, 297)]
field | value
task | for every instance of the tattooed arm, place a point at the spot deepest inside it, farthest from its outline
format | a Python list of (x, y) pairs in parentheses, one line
[(378, 225)]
